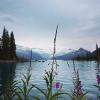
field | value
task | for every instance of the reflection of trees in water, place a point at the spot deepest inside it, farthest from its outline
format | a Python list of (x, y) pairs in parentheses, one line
[(7, 74), (98, 67), (98, 78), (98, 74)]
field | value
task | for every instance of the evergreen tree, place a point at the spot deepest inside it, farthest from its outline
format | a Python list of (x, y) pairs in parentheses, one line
[(97, 52), (12, 48), (5, 44), (0, 48), (87, 56)]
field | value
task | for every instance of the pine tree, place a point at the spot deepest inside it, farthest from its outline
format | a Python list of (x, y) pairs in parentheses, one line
[(5, 44), (12, 47), (97, 52), (0, 48)]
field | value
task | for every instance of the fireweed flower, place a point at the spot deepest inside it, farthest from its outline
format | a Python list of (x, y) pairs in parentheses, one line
[(98, 79), (57, 85), (78, 86)]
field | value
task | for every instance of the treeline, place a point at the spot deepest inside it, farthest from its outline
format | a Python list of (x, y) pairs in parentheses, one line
[(95, 55), (87, 57), (7, 46)]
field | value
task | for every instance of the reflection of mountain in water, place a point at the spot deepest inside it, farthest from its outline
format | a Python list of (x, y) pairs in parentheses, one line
[(7, 73)]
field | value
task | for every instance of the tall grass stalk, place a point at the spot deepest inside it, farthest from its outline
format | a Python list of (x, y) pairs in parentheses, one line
[(25, 89), (78, 91), (49, 78)]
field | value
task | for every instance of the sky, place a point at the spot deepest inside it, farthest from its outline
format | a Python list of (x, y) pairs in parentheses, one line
[(34, 23)]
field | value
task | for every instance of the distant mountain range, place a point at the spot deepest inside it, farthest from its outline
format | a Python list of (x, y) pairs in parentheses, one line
[(73, 54), (39, 54)]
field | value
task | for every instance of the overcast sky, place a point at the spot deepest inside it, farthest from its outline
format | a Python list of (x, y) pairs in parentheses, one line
[(34, 22)]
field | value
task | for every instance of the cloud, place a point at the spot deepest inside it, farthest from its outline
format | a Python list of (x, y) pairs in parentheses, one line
[(7, 18), (36, 19)]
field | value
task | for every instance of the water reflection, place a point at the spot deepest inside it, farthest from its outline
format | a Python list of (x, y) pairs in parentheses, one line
[(98, 79), (89, 75), (7, 74), (98, 74)]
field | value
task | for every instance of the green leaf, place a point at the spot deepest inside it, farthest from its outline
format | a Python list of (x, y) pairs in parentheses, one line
[(29, 90), (36, 98), (40, 90)]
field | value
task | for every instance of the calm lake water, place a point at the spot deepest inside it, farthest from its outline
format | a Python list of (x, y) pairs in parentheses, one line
[(88, 71)]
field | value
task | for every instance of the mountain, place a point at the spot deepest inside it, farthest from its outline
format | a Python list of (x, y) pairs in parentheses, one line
[(64, 52), (44, 54), (23, 52), (37, 54), (73, 54)]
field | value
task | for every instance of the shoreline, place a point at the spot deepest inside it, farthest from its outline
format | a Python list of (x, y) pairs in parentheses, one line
[(8, 61), (20, 61), (14, 61)]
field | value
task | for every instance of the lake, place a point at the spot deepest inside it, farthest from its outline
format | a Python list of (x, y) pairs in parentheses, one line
[(88, 71)]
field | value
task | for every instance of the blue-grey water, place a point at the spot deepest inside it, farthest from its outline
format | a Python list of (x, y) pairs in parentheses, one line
[(88, 71)]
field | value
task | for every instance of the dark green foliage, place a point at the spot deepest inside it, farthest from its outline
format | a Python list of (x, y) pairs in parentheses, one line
[(12, 47), (7, 46), (23, 92)]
